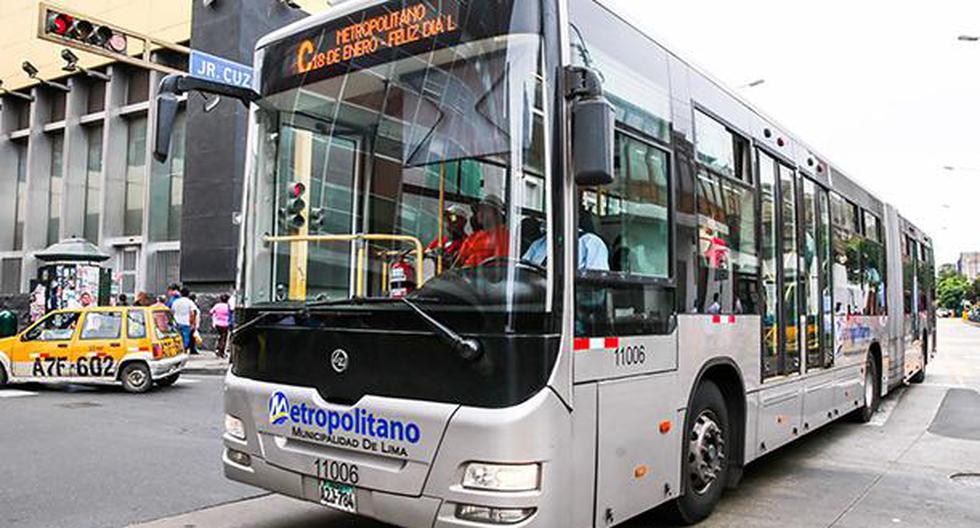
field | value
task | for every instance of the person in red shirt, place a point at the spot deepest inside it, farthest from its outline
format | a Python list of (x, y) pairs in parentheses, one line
[(448, 246), (491, 240)]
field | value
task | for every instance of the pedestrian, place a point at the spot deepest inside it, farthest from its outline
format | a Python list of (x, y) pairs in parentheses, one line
[(221, 321), (122, 300), (196, 341), (173, 292), (161, 301), (184, 315), (142, 299)]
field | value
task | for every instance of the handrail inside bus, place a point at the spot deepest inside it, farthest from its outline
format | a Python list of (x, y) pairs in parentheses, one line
[(361, 254)]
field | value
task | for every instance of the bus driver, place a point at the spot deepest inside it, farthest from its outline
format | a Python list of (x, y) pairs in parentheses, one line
[(490, 238)]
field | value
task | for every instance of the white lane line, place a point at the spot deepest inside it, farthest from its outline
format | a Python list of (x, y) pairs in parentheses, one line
[(14, 393), (187, 381)]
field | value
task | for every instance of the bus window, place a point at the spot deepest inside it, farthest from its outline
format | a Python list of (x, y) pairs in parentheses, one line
[(810, 276), (729, 270), (826, 262), (619, 292), (770, 315), (790, 261), (873, 261)]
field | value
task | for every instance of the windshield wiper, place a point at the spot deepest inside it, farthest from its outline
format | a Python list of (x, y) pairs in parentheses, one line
[(468, 349)]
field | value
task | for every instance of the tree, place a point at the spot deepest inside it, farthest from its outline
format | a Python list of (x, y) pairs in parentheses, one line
[(952, 290)]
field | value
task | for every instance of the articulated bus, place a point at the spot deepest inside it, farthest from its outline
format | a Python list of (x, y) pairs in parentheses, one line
[(514, 262)]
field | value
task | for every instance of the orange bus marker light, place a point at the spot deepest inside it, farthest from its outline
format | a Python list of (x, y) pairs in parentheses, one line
[(640, 472), (665, 427)]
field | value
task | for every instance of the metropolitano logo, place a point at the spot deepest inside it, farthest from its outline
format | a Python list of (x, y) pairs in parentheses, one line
[(278, 408)]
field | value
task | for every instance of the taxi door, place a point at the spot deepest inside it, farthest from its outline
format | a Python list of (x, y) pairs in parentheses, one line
[(99, 345), (43, 350)]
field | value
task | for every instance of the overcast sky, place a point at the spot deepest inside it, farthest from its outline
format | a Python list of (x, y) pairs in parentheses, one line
[(882, 88)]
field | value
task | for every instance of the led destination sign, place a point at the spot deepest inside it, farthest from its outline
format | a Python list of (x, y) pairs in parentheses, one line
[(388, 32), (392, 30)]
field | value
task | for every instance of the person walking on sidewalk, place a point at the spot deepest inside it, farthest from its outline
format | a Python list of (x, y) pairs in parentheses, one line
[(221, 321), (185, 315)]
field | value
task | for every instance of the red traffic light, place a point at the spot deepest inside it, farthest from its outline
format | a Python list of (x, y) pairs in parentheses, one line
[(59, 24), (297, 189)]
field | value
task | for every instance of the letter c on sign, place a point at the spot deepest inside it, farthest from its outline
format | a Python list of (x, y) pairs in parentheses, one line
[(303, 55)]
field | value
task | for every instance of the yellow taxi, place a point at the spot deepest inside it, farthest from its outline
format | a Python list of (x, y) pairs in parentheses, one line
[(136, 346)]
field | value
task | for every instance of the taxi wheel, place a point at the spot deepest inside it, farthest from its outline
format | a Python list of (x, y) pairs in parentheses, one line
[(168, 380), (136, 378), (3, 376)]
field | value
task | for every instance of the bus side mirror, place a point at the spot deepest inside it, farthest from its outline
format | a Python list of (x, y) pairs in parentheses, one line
[(167, 105), (593, 127), (173, 86)]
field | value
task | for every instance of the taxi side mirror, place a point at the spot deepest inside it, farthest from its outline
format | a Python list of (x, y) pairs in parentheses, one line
[(593, 128)]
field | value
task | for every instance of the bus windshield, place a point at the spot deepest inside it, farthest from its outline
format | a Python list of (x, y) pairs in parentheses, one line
[(413, 168)]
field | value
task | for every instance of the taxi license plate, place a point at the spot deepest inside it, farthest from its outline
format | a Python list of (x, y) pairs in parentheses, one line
[(338, 496)]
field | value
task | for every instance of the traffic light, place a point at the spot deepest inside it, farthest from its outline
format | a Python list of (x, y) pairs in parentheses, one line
[(85, 31), (317, 219), (293, 214)]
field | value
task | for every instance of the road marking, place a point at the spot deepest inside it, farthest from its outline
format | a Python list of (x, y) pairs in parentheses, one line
[(886, 407), (187, 381), (14, 393)]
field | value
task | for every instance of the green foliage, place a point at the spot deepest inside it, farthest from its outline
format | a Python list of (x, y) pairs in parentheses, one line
[(953, 289)]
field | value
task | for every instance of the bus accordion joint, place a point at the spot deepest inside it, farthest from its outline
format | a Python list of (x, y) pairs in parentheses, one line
[(360, 238)]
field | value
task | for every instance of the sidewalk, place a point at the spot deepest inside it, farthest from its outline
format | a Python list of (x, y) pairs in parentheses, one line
[(206, 363)]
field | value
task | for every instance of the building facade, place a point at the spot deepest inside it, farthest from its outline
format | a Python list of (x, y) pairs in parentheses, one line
[(75, 159), (969, 265)]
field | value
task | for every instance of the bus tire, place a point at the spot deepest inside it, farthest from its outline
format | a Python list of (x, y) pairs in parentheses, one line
[(706, 456), (167, 381), (872, 392), (136, 377)]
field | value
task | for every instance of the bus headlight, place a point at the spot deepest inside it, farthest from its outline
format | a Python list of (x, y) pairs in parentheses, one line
[(234, 427), (495, 477)]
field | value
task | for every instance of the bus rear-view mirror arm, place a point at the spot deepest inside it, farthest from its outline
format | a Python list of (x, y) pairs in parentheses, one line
[(593, 127), (173, 86)]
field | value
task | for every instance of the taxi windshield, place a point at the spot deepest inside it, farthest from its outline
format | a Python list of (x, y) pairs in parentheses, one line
[(423, 177)]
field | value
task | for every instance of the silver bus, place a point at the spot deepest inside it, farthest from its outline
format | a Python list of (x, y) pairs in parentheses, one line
[(514, 262)]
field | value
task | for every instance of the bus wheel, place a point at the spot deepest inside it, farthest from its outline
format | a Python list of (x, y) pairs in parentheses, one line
[(705, 456), (872, 392), (168, 380), (136, 378)]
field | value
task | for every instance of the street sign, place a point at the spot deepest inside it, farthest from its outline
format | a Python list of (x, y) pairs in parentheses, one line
[(213, 68)]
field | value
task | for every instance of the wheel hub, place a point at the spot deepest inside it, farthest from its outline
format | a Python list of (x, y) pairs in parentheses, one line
[(706, 452)]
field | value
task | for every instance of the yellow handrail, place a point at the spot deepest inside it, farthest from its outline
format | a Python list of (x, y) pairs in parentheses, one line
[(362, 255)]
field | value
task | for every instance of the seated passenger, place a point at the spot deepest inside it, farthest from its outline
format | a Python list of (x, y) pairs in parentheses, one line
[(448, 246), (592, 251), (490, 238)]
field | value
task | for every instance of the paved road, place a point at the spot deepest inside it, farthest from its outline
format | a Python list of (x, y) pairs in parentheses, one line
[(79, 457), (892, 472)]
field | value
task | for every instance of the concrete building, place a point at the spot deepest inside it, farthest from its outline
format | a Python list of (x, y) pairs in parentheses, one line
[(969, 265), (78, 163)]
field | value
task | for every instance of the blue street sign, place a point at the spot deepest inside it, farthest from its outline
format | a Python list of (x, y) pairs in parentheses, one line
[(207, 66)]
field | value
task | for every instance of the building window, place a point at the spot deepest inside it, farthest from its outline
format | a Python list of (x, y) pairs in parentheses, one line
[(135, 177), (10, 276), (55, 189), (93, 183), (128, 270), (21, 197), (58, 99), (721, 149), (138, 87), (167, 187), (166, 271), (96, 96)]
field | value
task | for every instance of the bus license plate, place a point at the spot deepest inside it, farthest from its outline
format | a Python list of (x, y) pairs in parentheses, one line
[(338, 496)]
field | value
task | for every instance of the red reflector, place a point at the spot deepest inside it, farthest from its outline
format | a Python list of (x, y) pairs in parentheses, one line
[(581, 343), (611, 342), (716, 319), (157, 351)]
